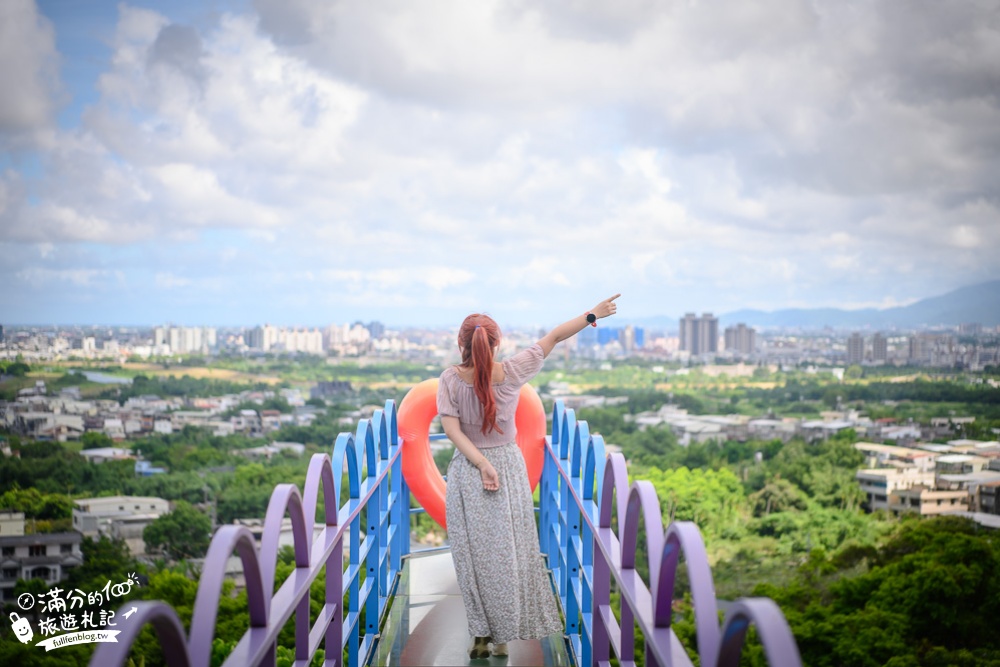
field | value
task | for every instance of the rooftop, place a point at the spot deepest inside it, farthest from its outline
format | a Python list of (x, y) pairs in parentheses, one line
[(42, 538)]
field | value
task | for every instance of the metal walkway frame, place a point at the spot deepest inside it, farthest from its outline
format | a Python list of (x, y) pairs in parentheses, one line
[(581, 488)]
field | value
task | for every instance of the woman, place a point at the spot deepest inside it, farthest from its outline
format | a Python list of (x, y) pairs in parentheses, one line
[(488, 505)]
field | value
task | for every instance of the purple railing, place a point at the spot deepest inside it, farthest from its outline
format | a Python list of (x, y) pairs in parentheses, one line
[(580, 486), (384, 497)]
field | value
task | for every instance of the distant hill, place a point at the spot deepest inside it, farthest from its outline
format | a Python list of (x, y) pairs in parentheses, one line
[(975, 303)]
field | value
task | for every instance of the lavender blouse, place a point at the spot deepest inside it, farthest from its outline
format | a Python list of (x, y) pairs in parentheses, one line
[(457, 398)]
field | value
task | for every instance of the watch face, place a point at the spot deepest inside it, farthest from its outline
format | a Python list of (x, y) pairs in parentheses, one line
[(591, 318)]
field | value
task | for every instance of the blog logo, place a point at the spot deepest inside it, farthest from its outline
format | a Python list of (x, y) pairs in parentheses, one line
[(21, 627)]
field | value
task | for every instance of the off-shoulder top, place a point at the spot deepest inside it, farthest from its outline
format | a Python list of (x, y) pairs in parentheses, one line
[(457, 398)]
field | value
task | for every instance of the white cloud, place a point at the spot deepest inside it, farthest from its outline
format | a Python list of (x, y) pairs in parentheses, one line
[(166, 280), (199, 198), (78, 277), (28, 79), (541, 274), (424, 155)]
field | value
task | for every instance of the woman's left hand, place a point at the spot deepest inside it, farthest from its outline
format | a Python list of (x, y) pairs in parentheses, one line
[(491, 481)]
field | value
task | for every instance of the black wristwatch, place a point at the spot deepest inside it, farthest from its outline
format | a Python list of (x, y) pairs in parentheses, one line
[(592, 319)]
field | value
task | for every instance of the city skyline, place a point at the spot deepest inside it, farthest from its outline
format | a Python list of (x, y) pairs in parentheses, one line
[(234, 162)]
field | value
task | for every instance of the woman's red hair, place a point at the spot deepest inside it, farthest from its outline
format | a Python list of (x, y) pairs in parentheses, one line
[(477, 338)]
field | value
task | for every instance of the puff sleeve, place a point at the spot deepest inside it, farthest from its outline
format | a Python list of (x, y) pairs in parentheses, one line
[(525, 364), (446, 405)]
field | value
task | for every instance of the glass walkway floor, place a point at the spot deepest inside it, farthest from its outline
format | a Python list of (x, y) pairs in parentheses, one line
[(426, 623)]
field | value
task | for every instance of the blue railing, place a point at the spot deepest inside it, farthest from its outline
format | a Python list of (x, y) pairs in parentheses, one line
[(581, 488), (383, 496)]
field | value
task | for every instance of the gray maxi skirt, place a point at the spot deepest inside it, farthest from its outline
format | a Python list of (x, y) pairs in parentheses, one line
[(494, 543)]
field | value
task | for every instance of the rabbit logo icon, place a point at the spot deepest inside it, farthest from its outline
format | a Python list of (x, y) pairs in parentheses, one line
[(21, 627)]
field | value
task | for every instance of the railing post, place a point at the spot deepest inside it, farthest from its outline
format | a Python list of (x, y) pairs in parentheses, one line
[(372, 543), (568, 426)]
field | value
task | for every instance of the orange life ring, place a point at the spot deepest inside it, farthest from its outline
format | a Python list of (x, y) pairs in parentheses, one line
[(418, 409)]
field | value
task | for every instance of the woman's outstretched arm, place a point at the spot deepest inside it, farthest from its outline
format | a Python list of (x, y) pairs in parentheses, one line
[(574, 326)]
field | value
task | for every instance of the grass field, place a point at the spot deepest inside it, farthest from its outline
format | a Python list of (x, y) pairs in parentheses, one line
[(158, 370), (202, 373)]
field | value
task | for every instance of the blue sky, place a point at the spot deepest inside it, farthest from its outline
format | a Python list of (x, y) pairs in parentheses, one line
[(305, 162)]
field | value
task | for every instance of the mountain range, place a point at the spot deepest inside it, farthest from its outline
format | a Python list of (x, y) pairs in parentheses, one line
[(974, 303)]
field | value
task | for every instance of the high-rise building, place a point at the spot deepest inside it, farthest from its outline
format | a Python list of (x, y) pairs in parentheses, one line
[(268, 338), (688, 325), (627, 339), (586, 339), (182, 340), (699, 335), (709, 333), (855, 348), (933, 349), (262, 338), (606, 335), (880, 348), (741, 339)]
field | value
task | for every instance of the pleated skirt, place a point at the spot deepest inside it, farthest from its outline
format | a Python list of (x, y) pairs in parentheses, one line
[(494, 543)]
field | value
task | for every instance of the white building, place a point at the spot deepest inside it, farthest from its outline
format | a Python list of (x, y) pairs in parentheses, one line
[(123, 517), (45, 556), (102, 454), (893, 456), (184, 340), (879, 483), (268, 338)]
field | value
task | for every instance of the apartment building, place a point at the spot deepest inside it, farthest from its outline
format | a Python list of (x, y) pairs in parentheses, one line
[(934, 479), (855, 349), (879, 484), (927, 501), (880, 349), (45, 556), (120, 517), (988, 498), (741, 339), (699, 335), (880, 456)]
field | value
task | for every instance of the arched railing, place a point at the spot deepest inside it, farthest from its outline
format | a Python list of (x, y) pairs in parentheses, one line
[(383, 496), (581, 486)]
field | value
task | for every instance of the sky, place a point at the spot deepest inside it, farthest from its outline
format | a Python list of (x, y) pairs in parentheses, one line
[(306, 162)]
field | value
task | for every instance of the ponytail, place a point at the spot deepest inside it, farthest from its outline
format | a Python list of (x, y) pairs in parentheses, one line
[(478, 335)]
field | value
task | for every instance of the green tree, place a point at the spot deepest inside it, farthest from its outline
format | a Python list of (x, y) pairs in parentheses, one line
[(37, 505), (182, 533), (17, 369), (96, 440), (104, 560), (854, 372), (930, 597), (777, 495)]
